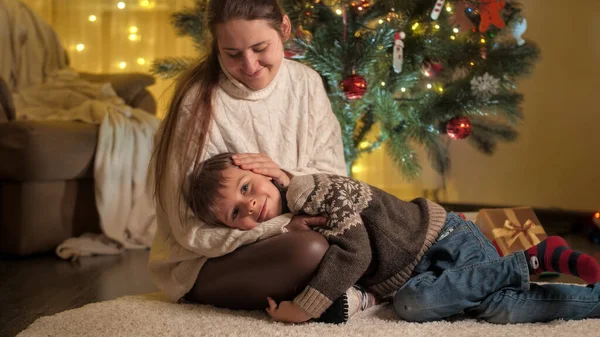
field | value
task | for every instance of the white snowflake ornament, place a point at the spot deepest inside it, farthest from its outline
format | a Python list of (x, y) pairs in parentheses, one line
[(484, 87)]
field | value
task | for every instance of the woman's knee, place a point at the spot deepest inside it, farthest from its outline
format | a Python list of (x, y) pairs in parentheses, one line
[(278, 267), (305, 250)]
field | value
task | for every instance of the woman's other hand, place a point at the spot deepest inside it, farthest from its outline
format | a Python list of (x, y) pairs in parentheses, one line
[(286, 312), (304, 222), (260, 163)]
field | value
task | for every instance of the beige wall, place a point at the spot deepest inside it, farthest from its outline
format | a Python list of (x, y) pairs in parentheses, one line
[(556, 161)]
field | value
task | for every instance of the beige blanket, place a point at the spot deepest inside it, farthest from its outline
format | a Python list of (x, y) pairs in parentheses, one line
[(123, 153), (29, 47)]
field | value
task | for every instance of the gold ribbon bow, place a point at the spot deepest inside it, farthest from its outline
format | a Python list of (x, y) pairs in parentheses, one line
[(513, 230)]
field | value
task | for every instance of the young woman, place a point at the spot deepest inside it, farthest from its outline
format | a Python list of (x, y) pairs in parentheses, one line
[(243, 97)]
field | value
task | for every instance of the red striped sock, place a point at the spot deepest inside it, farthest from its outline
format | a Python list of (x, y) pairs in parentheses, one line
[(553, 254)]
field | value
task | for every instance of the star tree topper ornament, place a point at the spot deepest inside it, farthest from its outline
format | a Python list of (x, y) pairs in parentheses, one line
[(489, 10), (398, 47)]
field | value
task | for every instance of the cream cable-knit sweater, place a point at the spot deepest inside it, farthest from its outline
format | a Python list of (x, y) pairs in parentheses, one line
[(290, 120)]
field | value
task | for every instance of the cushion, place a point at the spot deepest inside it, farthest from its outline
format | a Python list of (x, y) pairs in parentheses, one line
[(49, 150)]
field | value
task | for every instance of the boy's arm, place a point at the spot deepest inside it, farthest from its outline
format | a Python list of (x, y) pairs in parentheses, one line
[(342, 200)]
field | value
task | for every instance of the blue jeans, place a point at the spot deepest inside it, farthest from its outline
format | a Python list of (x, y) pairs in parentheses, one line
[(462, 273)]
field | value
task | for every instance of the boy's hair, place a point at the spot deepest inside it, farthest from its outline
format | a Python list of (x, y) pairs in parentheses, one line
[(204, 187)]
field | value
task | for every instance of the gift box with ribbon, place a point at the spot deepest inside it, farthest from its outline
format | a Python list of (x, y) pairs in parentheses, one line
[(511, 229)]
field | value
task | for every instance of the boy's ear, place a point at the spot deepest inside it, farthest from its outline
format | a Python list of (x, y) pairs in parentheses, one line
[(286, 27)]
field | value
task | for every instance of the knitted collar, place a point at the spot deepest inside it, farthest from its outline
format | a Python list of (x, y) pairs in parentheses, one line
[(237, 89)]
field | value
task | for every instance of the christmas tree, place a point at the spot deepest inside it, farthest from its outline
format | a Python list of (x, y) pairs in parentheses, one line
[(406, 72)]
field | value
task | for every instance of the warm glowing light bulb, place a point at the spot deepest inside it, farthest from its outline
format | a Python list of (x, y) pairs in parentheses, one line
[(338, 11), (427, 73), (452, 37), (92, 18), (429, 86), (449, 9), (133, 37), (357, 169), (141, 61), (440, 89), (133, 29), (415, 26), (437, 26), (597, 215), (80, 47), (482, 40), (121, 5), (145, 3), (403, 89), (455, 30), (383, 84), (380, 21), (123, 65), (364, 145)]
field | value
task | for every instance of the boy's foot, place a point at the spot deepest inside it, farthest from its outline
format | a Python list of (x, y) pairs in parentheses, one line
[(337, 313), (553, 254), (359, 300), (354, 300)]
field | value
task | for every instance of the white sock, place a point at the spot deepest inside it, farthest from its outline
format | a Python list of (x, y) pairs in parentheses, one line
[(359, 300)]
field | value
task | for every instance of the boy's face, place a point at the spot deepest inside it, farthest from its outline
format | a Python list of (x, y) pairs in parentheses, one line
[(248, 199)]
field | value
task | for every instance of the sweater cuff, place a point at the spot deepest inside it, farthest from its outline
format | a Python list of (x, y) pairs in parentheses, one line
[(313, 302), (275, 226)]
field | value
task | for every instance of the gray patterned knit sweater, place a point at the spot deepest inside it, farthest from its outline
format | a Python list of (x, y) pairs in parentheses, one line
[(375, 239)]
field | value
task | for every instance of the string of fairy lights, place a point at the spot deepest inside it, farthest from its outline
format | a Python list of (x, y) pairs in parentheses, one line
[(417, 28), (133, 32)]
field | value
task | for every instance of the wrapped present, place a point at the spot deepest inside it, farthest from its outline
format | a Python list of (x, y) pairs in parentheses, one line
[(511, 229)]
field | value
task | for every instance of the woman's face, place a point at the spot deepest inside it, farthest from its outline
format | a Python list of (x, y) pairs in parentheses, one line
[(251, 51)]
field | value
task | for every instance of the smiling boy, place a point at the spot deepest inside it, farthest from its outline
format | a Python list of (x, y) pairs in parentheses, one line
[(434, 264)]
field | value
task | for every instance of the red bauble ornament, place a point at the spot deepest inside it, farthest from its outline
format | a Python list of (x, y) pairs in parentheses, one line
[(431, 68), (458, 128), (354, 86)]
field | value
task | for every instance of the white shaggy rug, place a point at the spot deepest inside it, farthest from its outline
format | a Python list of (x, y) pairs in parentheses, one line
[(151, 315)]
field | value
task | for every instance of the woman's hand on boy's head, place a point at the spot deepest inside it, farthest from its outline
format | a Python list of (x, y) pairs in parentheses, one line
[(286, 312), (304, 222), (260, 163)]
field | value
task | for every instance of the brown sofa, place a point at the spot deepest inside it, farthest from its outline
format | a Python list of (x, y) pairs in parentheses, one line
[(46, 171)]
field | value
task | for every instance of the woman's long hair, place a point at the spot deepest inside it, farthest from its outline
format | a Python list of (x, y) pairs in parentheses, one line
[(204, 79)]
